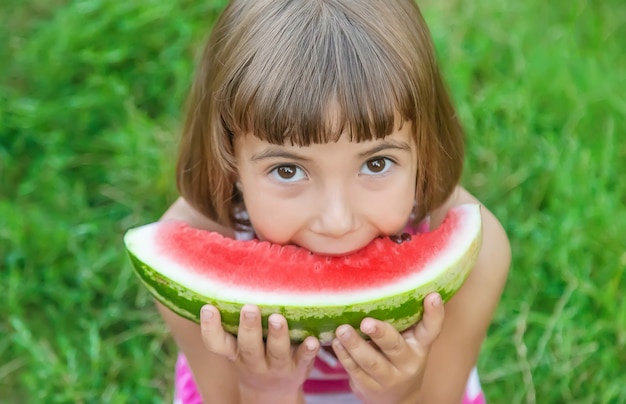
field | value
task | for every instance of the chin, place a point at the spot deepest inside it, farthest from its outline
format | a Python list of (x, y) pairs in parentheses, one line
[(329, 247)]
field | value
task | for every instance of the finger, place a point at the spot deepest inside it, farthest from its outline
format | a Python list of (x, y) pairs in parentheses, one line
[(215, 339), (389, 341), (346, 360), (361, 357), (251, 349), (428, 329), (305, 354), (278, 345)]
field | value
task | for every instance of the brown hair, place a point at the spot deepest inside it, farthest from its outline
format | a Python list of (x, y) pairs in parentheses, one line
[(273, 67)]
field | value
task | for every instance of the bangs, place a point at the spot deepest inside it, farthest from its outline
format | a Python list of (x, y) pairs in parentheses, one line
[(326, 72)]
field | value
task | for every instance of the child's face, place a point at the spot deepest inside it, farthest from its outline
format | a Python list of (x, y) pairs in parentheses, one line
[(331, 198)]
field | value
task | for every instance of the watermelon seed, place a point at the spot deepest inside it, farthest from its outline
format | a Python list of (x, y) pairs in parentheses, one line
[(399, 239)]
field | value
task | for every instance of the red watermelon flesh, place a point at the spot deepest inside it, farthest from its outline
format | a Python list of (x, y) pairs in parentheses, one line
[(186, 267), (263, 266)]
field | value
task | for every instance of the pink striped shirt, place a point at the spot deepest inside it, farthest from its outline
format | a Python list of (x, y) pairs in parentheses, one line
[(328, 383)]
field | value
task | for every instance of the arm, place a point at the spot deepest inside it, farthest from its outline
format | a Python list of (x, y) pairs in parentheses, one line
[(214, 375), (245, 369), (469, 312)]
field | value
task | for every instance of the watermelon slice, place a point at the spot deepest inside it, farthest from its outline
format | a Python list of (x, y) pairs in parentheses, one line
[(185, 268)]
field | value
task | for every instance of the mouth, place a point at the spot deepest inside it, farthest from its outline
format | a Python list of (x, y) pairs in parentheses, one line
[(337, 253), (398, 239)]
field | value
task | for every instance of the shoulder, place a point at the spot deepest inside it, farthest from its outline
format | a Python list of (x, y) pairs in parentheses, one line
[(469, 312), (485, 284), (182, 210), (495, 256)]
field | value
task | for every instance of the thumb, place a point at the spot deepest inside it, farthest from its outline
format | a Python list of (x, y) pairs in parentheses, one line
[(429, 328)]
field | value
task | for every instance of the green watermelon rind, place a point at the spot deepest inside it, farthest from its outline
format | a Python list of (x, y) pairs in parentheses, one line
[(401, 310)]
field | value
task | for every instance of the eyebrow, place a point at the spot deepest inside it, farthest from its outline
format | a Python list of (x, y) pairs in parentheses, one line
[(385, 145), (277, 152)]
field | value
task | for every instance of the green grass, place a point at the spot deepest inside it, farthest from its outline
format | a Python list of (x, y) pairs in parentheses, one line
[(91, 94)]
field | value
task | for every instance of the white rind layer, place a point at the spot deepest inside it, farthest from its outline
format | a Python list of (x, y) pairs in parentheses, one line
[(467, 230)]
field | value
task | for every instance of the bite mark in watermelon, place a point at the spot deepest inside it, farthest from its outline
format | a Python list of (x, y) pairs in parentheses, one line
[(185, 268)]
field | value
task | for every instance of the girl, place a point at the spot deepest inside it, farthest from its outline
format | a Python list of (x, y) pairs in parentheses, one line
[(326, 124)]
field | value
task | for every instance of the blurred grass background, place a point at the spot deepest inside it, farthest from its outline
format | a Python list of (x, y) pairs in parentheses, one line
[(91, 93)]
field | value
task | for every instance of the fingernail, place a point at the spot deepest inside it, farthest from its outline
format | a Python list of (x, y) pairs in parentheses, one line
[(206, 313), (368, 327), (337, 345), (437, 301), (343, 333), (249, 315), (275, 324), (309, 345)]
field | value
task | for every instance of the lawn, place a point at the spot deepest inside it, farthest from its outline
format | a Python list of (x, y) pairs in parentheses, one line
[(91, 95)]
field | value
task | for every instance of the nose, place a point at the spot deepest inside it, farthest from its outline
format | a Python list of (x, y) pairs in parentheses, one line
[(335, 216)]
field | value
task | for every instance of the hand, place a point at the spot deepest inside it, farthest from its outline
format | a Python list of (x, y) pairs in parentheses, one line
[(266, 369), (391, 369)]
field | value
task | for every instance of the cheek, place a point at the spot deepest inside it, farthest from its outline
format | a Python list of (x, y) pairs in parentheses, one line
[(393, 216), (393, 209), (273, 219)]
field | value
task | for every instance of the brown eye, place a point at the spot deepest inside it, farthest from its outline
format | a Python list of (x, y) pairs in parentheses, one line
[(376, 165), (286, 172)]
